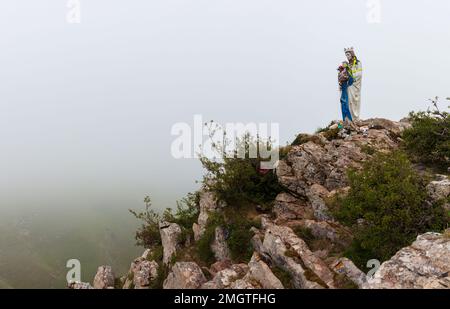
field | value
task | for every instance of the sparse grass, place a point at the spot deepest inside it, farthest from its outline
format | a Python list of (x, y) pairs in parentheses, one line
[(447, 234), (163, 271), (284, 151), (284, 276), (301, 139), (156, 254), (118, 283), (367, 149), (305, 234), (203, 245), (342, 282), (331, 134)]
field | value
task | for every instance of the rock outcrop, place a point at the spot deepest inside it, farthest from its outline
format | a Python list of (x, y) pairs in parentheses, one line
[(184, 275), (219, 245), (260, 272), (80, 286), (425, 264), (344, 266), (288, 207), (289, 252), (170, 238), (254, 275), (104, 279), (299, 244), (208, 204), (439, 190), (315, 168), (142, 273)]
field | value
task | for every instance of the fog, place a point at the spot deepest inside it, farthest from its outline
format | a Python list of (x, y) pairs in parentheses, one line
[(86, 109)]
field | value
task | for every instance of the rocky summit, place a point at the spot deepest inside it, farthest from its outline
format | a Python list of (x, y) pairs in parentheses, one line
[(313, 170)]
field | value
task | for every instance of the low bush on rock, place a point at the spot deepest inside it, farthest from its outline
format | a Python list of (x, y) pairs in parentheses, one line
[(148, 234), (237, 179), (428, 140), (386, 207), (203, 245)]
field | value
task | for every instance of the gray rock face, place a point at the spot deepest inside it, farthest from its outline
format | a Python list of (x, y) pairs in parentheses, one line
[(423, 265), (395, 127), (291, 253), (219, 245), (184, 275), (346, 267), (80, 286), (317, 167), (255, 275), (170, 234), (208, 204), (330, 230), (104, 279), (316, 195), (225, 278), (288, 207), (261, 273), (440, 190), (142, 272)]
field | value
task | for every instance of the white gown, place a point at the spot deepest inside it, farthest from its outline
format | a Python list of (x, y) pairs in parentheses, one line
[(354, 91)]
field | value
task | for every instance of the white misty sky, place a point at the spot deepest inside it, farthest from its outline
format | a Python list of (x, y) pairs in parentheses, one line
[(86, 109)]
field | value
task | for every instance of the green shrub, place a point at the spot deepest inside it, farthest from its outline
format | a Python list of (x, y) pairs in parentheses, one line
[(428, 140), (148, 234), (204, 251), (305, 234), (237, 180), (370, 150), (186, 214), (239, 239), (156, 253), (284, 276), (284, 151), (163, 271), (331, 134), (301, 139), (390, 197)]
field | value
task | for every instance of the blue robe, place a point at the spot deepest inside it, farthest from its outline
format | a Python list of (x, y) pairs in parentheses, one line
[(344, 99)]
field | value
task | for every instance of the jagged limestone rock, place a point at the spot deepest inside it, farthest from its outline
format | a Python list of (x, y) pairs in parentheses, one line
[(316, 195), (184, 275), (317, 167), (104, 279), (219, 245), (80, 286), (292, 254), (170, 236), (330, 230), (142, 272), (440, 190), (423, 265), (226, 277), (208, 204), (344, 266), (288, 207), (260, 272), (255, 275)]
